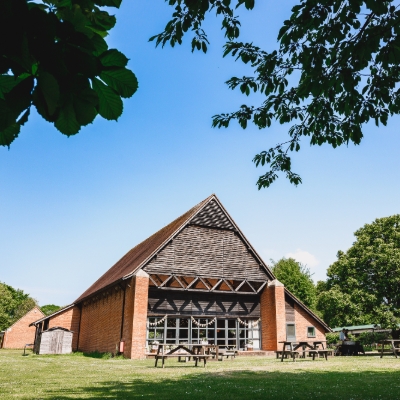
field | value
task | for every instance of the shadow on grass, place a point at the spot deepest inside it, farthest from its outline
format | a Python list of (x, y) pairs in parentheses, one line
[(97, 354), (248, 385)]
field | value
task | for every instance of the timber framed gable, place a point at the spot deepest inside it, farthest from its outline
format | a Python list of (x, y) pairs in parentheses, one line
[(208, 254)]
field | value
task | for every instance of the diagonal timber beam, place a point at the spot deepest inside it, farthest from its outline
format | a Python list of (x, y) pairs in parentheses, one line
[(150, 277), (166, 281), (243, 282), (251, 287), (204, 283), (178, 280), (261, 287), (229, 285), (216, 285), (192, 283)]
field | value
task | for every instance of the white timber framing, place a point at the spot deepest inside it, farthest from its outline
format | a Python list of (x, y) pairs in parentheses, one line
[(189, 283)]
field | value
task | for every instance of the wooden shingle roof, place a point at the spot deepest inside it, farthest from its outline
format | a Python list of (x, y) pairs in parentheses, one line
[(140, 253), (143, 252)]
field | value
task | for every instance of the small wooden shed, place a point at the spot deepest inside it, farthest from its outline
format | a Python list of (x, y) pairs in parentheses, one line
[(55, 340)]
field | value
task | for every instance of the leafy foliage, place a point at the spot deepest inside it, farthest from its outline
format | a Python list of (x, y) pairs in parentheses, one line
[(371, 338), (49, 309), (14, 304), (54, 56), (337, 68), (363, 284), (190, 14), (297, 279), (332, 338)]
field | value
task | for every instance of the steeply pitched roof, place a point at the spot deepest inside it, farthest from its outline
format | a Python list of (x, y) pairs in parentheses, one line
[(135, 257), (143, 252)]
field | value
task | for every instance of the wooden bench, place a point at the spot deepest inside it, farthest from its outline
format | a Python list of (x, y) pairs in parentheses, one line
[(287, 353), (317, 352), (196, 358), (224, 353)]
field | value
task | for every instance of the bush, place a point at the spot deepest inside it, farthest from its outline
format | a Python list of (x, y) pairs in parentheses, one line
[(370, 338), (332, 338)]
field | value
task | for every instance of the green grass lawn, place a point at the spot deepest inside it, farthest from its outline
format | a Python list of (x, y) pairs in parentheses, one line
[(81, 377)]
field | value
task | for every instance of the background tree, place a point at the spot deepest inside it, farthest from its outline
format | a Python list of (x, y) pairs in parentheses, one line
[(336, 68), (49, 309), (363, 284), (53, 55), (297, 278), (14, 304)]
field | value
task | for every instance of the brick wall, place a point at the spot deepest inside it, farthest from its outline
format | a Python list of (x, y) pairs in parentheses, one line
[(101, 320), (68, 319), (273, 318), (20, 334), (139, 319), (128, 316), (100, 328), (302, 321)]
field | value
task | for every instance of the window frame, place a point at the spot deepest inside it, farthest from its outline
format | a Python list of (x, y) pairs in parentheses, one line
[(314, 330), (287, 336)]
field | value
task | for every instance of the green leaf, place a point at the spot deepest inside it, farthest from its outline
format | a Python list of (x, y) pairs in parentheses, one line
[(102, 34), (110, 104), (113, 58), (8, 135), (64, 3), (7, 82), (108, 3), (6, 116), (66, 122), (99, 44), (50, 90), (85, 106), (122, 80)]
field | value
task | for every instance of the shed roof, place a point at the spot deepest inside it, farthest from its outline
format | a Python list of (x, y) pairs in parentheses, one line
[(143, 252), (57, 328)]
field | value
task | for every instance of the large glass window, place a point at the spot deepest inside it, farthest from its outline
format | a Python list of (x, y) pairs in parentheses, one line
[(249, 334), (155, 330), (203, 329), (221, 331)]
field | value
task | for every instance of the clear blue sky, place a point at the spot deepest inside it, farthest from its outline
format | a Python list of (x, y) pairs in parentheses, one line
[(72, 207)]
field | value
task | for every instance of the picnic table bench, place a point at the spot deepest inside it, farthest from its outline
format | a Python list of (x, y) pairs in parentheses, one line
[(296, 349), (183, 351), (227, 352), (395, 347)]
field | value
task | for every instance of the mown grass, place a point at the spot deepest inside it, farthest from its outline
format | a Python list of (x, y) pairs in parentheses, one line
[(82, 377)]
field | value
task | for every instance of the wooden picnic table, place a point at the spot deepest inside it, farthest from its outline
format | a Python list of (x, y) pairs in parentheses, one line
[(395, 344), (307, 346), (197, 351)]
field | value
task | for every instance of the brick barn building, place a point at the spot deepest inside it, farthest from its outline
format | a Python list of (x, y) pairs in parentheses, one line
[(20, 333), (197, 277)]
